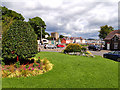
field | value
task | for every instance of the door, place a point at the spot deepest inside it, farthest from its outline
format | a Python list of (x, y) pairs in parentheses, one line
[(108, 46)]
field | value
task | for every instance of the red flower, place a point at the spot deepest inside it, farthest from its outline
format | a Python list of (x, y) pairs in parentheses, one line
[(13, 52)]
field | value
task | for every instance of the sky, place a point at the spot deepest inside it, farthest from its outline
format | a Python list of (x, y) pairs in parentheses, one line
[(73, 18)]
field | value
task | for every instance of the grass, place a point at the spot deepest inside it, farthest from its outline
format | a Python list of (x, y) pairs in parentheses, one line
[(70, 72)]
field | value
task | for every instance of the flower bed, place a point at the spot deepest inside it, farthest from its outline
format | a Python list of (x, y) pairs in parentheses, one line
[(32, 69), (76, 49)]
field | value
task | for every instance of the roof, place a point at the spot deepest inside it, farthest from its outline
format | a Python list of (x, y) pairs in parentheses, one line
[(112, 34), (53, 32)]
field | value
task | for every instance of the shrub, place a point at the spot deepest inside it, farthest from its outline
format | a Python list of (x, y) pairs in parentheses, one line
[(27, 66), (73, 48), (17, 64), (38, 61), (83, 49), (34, 64), (19, 40), (3, 64)]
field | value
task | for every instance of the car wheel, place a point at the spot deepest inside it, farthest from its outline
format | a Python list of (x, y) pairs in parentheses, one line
[(104, 56), (118, 59)]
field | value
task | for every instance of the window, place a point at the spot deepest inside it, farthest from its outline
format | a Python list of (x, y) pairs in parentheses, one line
[(116, 38), (115, 45)]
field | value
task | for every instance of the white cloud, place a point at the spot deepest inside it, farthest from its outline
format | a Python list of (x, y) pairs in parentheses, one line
[(70, 17)]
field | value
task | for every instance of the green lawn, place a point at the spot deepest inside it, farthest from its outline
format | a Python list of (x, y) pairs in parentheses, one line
[(70, 72)]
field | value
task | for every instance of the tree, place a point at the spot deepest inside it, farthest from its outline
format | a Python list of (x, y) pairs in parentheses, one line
[(10, 13), (61, 36), (104, 31), (8, 17), (19, 40), (37, 23)]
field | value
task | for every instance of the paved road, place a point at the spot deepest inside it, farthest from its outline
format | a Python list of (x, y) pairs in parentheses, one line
[(100, 53)]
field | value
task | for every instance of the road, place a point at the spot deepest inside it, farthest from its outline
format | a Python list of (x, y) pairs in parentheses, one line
[(99, 53)]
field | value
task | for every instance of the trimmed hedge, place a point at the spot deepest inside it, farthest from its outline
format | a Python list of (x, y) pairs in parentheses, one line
[(19, 40)]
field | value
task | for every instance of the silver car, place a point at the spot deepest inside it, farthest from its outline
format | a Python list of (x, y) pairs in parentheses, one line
[(50, 46)]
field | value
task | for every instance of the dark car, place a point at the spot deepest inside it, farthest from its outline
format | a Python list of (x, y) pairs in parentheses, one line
[(94, 47), (114, 55)]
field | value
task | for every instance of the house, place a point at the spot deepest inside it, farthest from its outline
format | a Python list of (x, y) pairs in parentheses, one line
[(112, 41), (55, 35), (67, 40), (78, 40)]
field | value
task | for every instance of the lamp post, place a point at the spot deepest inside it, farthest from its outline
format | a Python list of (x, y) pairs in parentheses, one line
[(42, 26)]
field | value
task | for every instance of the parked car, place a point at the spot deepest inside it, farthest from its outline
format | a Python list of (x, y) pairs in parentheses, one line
[(60, 45), (94, 47), (49, 46), (114, 55)]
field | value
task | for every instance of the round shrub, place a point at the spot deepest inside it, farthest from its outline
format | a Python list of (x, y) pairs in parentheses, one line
[(19, 40), (73, 47)]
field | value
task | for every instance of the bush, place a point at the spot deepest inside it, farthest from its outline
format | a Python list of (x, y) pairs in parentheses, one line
[(73, 48), (19, 40), (27, 66), (83, 49), (17, 64)]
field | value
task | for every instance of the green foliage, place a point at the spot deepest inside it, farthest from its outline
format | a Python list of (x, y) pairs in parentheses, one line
[(38, 61), (6, 22), (61, 36), (10, 13), (3, 64), (36, 24), (83, 49), (34, 64), (104, 31), (27, 66), (50, 38), (19, 40), (17, 64), (73, 48)]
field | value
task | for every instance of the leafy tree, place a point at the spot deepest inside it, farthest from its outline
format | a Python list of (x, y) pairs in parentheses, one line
[(8, 17), (37, 23), (61, 36), (104, 31), (10, 13), (19, 40), (6, 23), (51, 38)]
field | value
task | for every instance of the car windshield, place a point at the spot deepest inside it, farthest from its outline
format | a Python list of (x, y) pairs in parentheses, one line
[(111, 52), (117, 52)]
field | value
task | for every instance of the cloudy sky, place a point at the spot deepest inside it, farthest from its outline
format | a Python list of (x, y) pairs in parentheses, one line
[(69, 17)]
